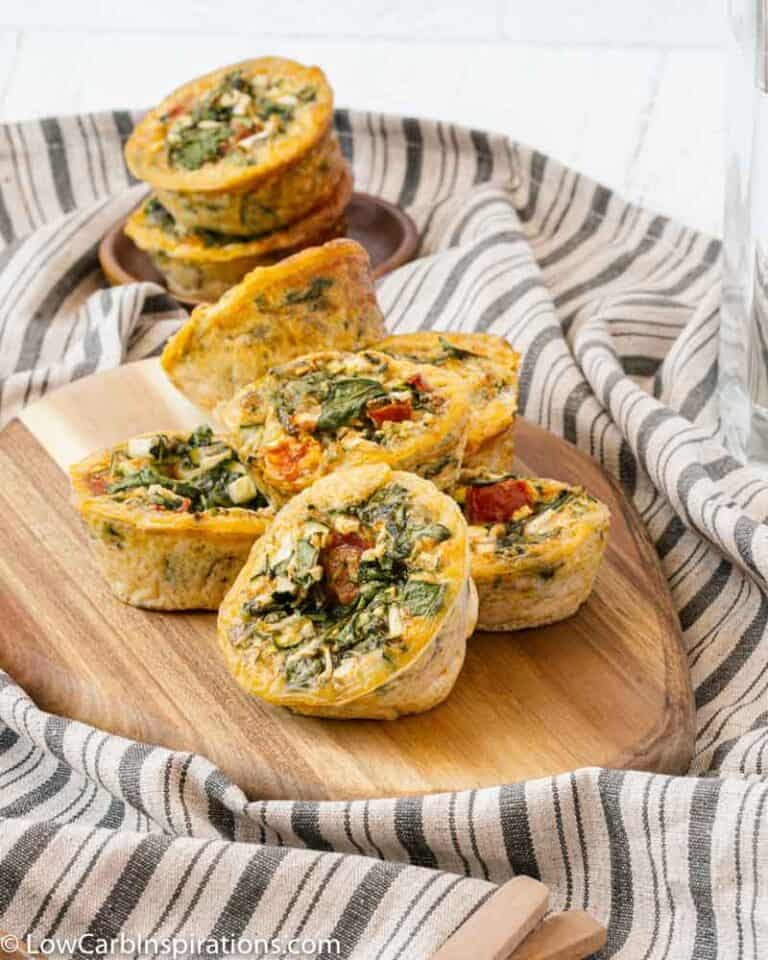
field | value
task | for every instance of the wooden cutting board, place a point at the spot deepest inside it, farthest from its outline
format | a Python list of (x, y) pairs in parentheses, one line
[(608, 687)]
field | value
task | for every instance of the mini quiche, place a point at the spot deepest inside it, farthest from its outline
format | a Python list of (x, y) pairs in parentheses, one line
[(329, 410), (489, 364), (170, 517), (358, 600), (321, 298), (271, 204), (232, 127), (204, 264), (536, 546)]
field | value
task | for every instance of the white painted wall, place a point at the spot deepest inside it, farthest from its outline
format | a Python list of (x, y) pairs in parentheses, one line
[(550, 22), (629, 91)]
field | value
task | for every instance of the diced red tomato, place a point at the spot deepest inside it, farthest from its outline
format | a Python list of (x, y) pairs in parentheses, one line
[(177, 109), (285, 458), (245, 132), (395, 412), (98, 483), (496, 502), (340, 559), (418, 383), (183, 506)]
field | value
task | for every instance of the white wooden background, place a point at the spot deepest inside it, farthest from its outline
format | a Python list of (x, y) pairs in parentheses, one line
[(630, 93)]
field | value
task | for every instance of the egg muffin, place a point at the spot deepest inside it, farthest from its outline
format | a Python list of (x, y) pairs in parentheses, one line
[(329, 410), (204, 264), (358, 600), (170, 517), (536, 546), (232, 128), (489, 364), (270, 204), (321, 298)]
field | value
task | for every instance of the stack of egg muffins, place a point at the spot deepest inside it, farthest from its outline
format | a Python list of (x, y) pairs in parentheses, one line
[(245, 168)]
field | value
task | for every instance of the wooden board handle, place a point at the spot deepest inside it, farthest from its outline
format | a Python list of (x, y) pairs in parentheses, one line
[(501, 924), (571, 935)]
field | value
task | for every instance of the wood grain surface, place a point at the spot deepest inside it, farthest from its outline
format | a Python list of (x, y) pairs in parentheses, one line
[(608, 687)]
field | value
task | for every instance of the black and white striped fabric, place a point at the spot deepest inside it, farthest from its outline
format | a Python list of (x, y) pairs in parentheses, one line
[(616, 312)]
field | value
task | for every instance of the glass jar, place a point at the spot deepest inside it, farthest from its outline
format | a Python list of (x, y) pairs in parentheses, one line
[(743, 356)]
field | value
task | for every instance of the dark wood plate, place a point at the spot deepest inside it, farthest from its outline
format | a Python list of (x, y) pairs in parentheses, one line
[(387, 233)]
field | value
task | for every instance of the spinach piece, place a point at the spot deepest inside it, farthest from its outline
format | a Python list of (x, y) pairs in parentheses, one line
[(301, 672), (560, 501), (422, 598), (404, 533), (193, 146), (314, 292), (269, 107), (197, 146), (374, 571), (306, 558), (346, 400), (212, 238), (236, 81), (172, 502), (384, 504), (201, 437), (292, 393), (435, 531), (147, 476), (207, 492), (161, 449), (281, 598), (390, 505), (113, 535), (211, 489), (432, 469), (453, 352), (369, 622), (157, 215), (251, 206), (514, 530)]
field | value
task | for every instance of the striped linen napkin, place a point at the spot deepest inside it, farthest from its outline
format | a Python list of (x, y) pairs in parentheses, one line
[(616, 311)]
